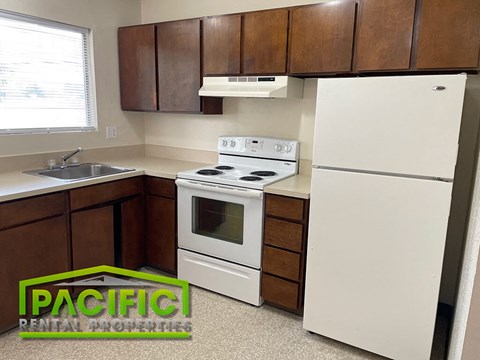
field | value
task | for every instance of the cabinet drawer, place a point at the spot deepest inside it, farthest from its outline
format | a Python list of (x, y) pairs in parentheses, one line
[(161, 187), (102, 193), (283, 234), (286, 207), (281, 263), (280, 292), (32, 209)]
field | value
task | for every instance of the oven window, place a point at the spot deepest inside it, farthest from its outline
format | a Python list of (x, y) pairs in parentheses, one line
[(218, 219)]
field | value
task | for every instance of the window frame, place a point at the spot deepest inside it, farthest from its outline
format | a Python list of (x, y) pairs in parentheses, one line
[(89, 76)]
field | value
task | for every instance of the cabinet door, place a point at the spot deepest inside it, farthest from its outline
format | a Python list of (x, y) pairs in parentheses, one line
[(178, 50), (321, 38), (133, 233), (29, 251), (448, 34), (161, 233), (221, 45), (384, 34), (136, 57), (265, 42), (93, 237)]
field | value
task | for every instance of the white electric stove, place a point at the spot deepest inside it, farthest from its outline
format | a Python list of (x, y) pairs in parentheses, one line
[(220, 214)]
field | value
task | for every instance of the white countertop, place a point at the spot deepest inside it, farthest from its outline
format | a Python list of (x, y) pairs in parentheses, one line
[(17, 185), (296, 186)]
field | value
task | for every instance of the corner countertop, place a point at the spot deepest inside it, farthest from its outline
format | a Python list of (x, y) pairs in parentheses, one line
[(16, 185), (295, 186)]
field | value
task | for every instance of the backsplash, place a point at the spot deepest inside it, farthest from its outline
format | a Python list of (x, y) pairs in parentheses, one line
[(285, 118)]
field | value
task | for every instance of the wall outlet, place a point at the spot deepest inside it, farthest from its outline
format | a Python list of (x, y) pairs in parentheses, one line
[(111, 132)]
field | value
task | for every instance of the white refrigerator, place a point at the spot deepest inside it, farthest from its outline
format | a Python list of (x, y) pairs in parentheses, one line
[(384, 158)]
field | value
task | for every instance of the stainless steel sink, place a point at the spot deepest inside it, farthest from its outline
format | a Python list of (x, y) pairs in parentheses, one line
[(79, 172)]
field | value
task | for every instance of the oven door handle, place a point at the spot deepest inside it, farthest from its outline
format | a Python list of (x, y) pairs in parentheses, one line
[(248, 193)]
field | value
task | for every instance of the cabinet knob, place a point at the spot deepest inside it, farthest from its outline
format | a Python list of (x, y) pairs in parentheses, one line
[(439, 88)]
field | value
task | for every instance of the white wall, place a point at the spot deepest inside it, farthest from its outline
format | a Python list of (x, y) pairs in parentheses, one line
[(285, 118), (270, 117), (163, 10), (103, 17)]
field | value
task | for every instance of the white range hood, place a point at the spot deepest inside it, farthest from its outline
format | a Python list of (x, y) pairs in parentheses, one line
[(252, 87)]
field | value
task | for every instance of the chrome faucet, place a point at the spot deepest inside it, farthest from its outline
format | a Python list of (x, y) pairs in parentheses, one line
[(63, 163)]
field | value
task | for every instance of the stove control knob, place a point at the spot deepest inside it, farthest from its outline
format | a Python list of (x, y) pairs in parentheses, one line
[(224, 143), (232, 143), (278, 147), (288, 148)]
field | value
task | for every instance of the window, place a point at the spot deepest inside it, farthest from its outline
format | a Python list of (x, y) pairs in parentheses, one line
[(46, 82)]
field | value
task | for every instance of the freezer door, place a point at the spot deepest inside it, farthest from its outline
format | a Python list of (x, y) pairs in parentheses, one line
[(374, 260), (403, 124)]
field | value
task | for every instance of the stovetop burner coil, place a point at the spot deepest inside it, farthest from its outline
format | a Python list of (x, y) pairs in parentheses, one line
[(263, 173), (209, 172), (251, 178)]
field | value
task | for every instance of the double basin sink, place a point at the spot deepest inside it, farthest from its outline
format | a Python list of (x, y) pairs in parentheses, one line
[(79, 172)]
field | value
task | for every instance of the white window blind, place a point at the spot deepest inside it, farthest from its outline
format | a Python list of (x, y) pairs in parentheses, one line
[(46, 82)]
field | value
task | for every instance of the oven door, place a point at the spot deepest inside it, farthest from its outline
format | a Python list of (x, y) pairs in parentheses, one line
[(221, 221)]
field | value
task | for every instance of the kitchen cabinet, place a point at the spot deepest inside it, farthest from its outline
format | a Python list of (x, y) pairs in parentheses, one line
[(253, 43), (136, 56), (284, 246), (93, 237), (384, 35), (221, 45), (447, 34), (159, 67), (133, 233), (178, 54), (107, 224), (34, 242), (321, 38), (161, 237), (264, 42)]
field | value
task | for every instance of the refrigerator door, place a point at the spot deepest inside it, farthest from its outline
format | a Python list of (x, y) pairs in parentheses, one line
[(402, 125), (374, 260)]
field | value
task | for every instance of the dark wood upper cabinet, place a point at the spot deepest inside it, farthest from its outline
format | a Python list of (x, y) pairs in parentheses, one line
[(321, 38), (178, 54), (384, 35), (136, 51), (160, 68), (264, 42), (161, 65), (448, 34), (221, 45)]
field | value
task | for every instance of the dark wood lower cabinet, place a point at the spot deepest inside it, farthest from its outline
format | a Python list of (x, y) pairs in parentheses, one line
[(107, 224), (133, 233), (161, 223), (284, 250), (279, 291), (29, 251), (161, 233), (93, 237)]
